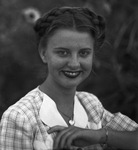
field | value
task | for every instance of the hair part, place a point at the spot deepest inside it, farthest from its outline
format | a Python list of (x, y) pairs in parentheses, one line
[(76, 18)]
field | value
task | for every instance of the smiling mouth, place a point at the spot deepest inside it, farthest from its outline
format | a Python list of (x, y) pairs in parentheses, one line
[(72, 74)]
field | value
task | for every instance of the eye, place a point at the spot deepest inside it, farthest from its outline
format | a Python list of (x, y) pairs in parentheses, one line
[(84, 53), (62, 53)]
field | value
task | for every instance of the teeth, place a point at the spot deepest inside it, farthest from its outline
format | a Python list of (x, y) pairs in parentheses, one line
[(73, 74)]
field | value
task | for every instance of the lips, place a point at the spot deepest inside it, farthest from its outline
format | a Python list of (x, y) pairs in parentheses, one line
[(71, 74)]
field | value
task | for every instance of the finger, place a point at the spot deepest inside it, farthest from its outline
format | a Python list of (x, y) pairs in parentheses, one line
[(64, 138), (60, 140), (79, 138), (55, 129), (71, 138), (67, 135), (75, 148)]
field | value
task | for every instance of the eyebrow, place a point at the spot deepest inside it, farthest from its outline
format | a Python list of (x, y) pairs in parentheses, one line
[(56, 48), (63, 48)]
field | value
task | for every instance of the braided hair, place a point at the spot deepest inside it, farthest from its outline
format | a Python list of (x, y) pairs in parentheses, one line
[(80, 19)]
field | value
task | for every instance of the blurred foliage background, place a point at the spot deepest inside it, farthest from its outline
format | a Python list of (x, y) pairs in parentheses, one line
[(114, 79)]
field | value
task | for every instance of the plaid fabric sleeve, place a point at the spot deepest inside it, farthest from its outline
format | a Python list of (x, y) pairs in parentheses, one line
[(118, 121), (15, 131), (98, 113)]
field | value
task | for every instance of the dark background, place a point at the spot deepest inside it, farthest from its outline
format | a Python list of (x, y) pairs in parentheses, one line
[(114, 79)]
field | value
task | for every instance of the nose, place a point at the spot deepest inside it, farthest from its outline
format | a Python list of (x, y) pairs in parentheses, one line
[(74, 63)]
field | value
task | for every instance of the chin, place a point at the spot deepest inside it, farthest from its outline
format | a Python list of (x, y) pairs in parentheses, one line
[(71, 84)]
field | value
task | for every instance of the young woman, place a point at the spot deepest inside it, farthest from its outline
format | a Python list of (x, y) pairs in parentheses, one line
[(54, 115)]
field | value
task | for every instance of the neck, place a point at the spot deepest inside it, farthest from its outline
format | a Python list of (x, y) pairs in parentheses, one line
[(64, 99), (60, 95)]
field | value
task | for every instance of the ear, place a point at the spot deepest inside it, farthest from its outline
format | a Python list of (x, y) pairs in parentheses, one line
[(43, 55)]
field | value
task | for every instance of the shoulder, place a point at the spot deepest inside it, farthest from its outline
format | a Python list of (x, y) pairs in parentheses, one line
[(26, 107), (92, 106), (86, 97)]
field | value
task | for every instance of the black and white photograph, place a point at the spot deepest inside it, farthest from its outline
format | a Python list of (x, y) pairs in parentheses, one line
[(68, 75)]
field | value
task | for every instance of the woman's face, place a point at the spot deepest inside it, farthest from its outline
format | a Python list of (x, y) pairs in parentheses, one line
[(69, 56)]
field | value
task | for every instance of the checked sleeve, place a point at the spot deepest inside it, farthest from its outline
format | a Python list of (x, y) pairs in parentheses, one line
[(15, 131)]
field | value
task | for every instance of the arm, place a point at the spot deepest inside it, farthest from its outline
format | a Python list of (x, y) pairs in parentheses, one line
[(15, 132), (121, 129), (123, 139), (74, 136)]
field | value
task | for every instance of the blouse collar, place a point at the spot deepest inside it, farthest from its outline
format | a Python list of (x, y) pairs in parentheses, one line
[(50, 115)]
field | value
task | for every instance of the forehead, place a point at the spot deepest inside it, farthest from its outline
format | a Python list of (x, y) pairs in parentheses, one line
[(68, 37)]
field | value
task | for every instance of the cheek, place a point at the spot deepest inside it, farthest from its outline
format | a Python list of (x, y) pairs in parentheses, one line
[(87, 64), (88, 68), (55, 63)]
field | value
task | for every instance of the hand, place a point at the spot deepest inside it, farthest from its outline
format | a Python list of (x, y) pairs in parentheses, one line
[(68, 137)]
